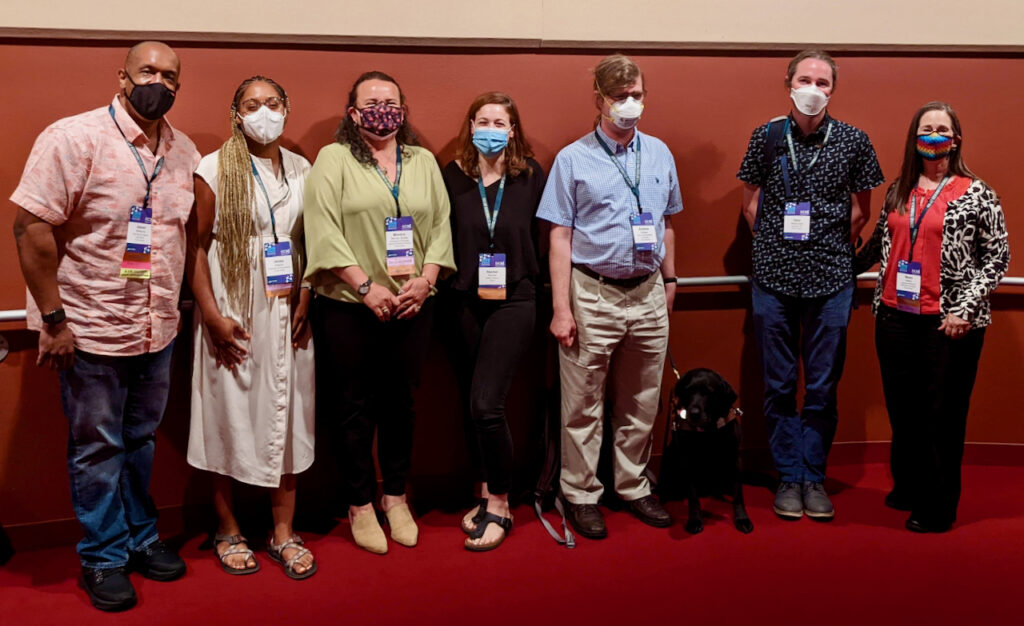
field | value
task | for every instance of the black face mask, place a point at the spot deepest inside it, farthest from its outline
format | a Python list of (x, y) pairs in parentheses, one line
[(151, 101)]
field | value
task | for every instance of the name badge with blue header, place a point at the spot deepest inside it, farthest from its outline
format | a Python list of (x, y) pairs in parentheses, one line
[(645, 237), (491, 277), (137, 253), (908, 286), (398, 238), (277, 265), (796, 225)]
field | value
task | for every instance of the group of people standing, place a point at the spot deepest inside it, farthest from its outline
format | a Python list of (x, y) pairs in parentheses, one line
[(346, 255)]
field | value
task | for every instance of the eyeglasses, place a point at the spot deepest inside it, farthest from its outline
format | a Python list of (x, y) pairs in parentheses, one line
[(252, 104)]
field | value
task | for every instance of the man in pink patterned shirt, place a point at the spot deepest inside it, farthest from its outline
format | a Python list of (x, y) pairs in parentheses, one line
[(100, 229)]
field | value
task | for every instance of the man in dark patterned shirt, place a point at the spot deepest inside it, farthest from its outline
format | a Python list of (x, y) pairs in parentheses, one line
[(807, 192)]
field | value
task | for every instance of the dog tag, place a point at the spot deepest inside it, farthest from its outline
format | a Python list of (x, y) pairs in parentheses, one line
[(908, 286), (797, 221)]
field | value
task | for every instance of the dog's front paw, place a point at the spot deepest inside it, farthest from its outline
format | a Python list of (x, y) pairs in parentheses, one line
[(694, 526), (744, 525)]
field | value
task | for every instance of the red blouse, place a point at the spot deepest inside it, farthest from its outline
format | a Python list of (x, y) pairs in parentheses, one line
[(928, 248)]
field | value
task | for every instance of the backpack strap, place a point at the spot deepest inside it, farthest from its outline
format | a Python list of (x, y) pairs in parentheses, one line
[(773, 136)]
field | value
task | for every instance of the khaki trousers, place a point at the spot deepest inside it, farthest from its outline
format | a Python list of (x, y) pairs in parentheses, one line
[(621, 338)]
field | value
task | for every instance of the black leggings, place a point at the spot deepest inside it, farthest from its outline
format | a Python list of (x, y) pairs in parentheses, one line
[(372, 369), (927, 378), (495, 336)]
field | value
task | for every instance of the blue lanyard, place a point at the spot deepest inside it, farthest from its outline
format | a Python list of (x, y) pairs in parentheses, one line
[(491, 217), (398, 176), (915, 225), (138, 159), (792, 152), (270, 207), (633, 186)]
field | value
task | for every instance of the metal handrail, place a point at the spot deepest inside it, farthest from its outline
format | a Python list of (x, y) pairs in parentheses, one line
[(18, 315)]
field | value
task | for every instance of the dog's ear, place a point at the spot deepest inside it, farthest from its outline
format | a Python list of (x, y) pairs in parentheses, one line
[(728, 394)]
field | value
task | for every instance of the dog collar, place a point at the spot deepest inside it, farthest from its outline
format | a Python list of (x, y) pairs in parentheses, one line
[(681, 423)]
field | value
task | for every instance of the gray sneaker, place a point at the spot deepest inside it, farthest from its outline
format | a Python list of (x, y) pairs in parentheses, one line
[(789, 502), (816, 502)]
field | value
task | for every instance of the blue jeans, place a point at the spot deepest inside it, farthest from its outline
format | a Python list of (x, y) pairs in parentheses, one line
[(814, 329), (114, 405)]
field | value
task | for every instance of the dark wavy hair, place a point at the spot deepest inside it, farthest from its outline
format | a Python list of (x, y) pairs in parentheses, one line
[(348, 132), (518, 149), (898, 194)]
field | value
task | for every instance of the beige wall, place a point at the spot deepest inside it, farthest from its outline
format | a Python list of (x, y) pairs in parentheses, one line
[(556, 22)]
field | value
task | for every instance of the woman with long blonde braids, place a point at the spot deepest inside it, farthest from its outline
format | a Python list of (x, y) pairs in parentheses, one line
[(252, 385)]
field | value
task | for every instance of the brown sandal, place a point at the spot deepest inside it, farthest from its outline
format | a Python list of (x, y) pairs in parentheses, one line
[(234, 547)]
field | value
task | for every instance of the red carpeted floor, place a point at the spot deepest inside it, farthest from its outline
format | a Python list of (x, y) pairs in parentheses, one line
[(863, 568)]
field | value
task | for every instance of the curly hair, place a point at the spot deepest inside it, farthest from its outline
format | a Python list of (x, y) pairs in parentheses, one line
[(348, 132)]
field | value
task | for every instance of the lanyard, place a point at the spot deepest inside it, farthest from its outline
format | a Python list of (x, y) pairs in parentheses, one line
[(633, 186), (138, 159), (491, 217), (270, 207), (792, 152), (398, 176), (915, 225)]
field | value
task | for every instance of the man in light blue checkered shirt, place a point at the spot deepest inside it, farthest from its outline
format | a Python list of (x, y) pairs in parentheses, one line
[(609, 197)]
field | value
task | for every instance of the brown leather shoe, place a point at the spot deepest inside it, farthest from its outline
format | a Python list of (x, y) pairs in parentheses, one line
[(587, 520), (650, 512)]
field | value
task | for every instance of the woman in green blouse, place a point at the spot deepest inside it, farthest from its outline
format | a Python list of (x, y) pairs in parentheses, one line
[(377, 237)]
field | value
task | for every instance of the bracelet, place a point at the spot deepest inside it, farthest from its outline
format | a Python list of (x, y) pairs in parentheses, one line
[(669, 279)]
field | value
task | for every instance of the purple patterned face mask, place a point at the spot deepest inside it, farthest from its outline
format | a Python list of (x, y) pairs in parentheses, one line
[(381, 120)]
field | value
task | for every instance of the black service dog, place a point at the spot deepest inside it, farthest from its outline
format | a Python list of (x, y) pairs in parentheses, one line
[(703, 456)]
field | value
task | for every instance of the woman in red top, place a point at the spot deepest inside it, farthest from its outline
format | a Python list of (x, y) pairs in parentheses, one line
[(941, 241)]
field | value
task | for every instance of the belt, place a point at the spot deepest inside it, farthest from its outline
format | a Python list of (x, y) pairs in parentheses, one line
[(628, 283)]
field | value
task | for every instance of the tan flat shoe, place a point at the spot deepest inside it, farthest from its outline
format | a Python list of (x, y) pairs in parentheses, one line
[(403, 526), (367, 532)]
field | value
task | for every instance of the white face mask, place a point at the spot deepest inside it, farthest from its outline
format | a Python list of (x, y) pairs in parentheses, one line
[(808, 99), (264, 125), (626, 113)]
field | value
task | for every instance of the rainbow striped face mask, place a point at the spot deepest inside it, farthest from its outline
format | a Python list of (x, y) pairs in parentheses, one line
[(934, 146)]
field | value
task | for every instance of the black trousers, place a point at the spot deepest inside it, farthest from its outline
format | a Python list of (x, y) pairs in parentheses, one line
[(927, 378), (373, 369), (495, 335)]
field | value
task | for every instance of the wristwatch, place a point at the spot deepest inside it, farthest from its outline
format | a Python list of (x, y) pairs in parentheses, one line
[(364, 288), (54, 317)]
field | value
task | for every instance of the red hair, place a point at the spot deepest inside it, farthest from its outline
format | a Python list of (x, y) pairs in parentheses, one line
[(518, 149)]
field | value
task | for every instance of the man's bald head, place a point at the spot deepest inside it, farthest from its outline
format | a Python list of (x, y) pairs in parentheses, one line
[(145, 50)]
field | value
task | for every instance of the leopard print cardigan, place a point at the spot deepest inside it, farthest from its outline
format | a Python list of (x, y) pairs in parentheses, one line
[(975, 254)]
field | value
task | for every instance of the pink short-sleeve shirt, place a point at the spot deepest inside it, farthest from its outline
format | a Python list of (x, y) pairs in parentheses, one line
[(82, 178)]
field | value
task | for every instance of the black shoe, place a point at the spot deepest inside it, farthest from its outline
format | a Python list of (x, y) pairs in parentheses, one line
[(650, 512), (587, 520), (108, 589), (157, 562), (918, 526), (896, 500)]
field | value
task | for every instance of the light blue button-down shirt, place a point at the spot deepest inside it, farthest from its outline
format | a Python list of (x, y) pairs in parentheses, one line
[(586, 192)]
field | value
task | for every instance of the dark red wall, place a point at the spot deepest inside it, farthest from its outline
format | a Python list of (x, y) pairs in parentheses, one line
[(703, 105)]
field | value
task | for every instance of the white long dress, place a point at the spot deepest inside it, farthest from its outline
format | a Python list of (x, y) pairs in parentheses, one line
[(255, 423)]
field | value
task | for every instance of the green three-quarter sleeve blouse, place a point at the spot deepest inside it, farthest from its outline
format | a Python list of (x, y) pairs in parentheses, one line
[(345, 205)]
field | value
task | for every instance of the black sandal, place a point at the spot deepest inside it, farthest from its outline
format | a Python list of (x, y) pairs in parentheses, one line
[(489, 518), (481, 509)]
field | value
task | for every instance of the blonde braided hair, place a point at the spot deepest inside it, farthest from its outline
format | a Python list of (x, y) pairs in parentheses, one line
[(235, 220)]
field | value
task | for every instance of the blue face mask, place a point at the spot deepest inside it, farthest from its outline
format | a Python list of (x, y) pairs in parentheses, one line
[(490, 141)]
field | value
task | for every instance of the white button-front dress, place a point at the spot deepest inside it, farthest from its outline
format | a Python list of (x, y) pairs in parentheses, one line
[(255, 423)]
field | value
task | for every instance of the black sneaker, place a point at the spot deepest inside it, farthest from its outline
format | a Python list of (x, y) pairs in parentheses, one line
[(109, 589), (157, 562), (789, 501), (817, 506)]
